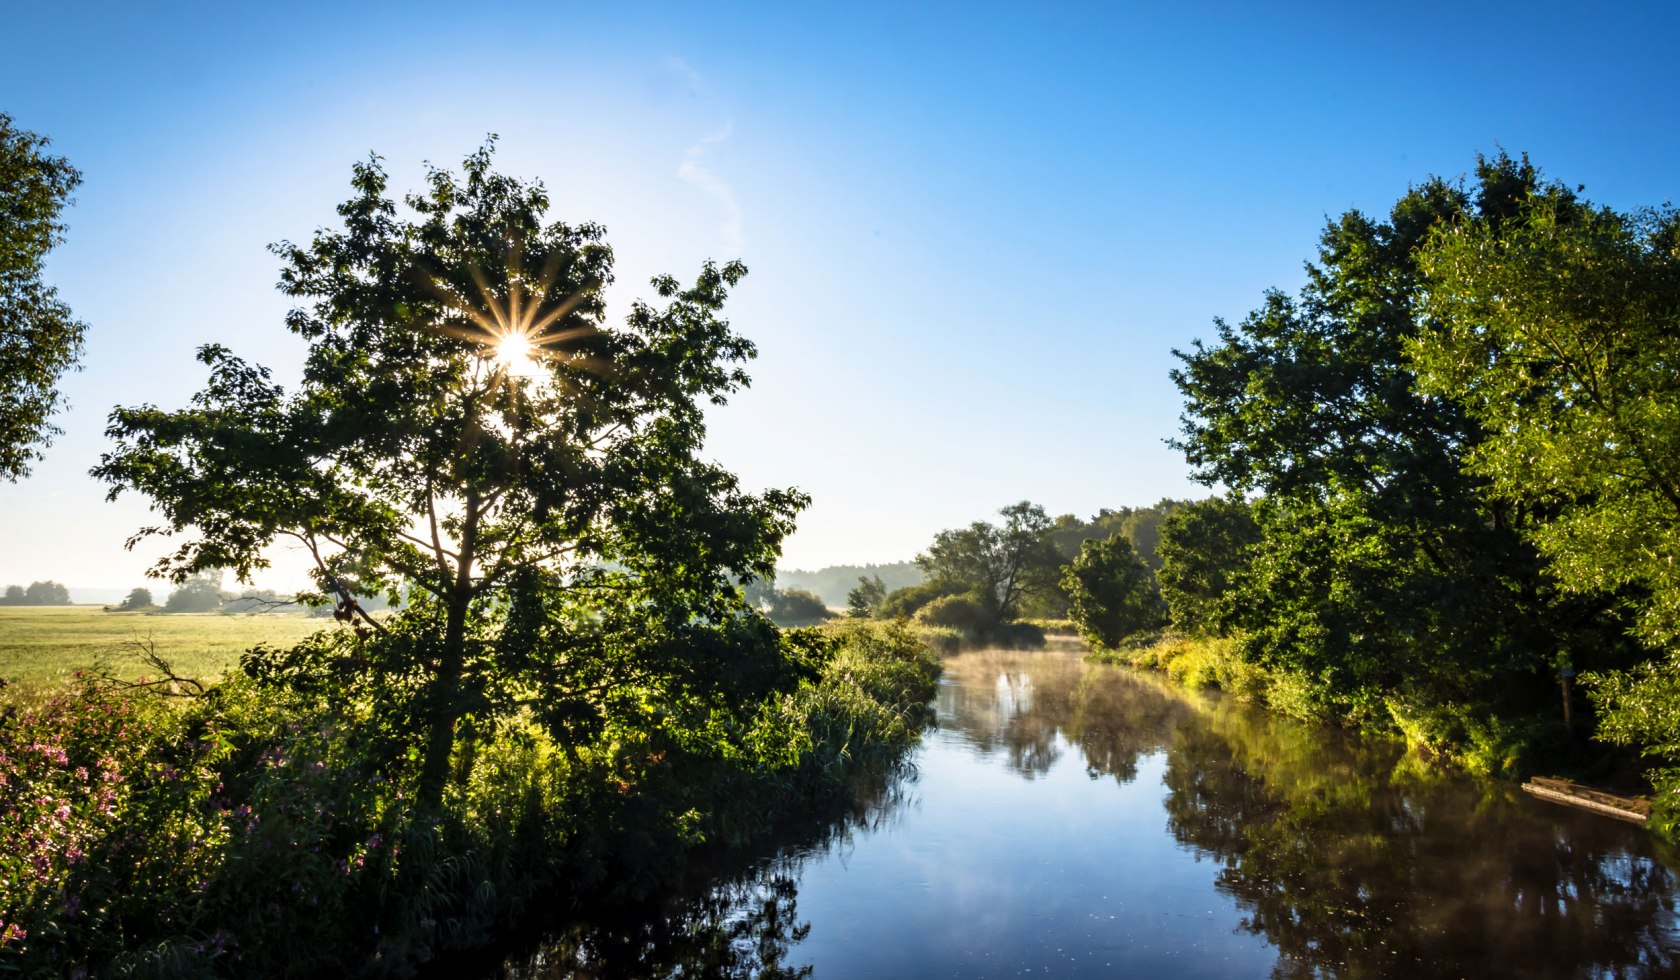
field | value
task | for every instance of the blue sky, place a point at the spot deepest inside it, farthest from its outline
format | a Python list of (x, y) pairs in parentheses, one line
[(976, 232)]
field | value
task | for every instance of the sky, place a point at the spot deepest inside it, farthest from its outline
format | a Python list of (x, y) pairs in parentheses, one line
[(976, 233)]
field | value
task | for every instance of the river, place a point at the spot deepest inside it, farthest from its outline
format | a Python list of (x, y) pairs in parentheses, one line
[(1075, 820)]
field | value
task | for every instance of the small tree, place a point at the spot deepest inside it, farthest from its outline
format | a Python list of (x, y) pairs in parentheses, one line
[(14, 596), (867, 597), (39, 339), (137, 599), (1111, 592)]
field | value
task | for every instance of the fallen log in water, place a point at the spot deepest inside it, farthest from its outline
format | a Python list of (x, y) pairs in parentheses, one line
[(1571, 794)]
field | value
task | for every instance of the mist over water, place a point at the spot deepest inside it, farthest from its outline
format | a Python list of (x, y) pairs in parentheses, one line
[(1074, 820)]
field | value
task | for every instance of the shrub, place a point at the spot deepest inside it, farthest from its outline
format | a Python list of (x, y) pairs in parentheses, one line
[(963, 613), (909, 600)]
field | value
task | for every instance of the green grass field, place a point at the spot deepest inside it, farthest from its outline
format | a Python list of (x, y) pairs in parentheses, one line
[(41, 648)]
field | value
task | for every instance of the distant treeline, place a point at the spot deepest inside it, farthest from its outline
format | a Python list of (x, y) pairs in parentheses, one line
[(1004, 583), (1064, 535), (833, 582), (37, 594), (202, 592)]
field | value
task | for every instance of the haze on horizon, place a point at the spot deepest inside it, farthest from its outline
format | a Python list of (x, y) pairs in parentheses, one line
[(975, 236)]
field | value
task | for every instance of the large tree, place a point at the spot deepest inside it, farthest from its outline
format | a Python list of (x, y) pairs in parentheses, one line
[(1000, 564), (39, 339), (1383, 567), (470, 429), (1561, 336)]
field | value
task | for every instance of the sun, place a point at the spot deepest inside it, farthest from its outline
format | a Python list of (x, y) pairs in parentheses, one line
[(518, 355)]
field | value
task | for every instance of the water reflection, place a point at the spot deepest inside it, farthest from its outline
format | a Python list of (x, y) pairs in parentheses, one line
[(744, 924), (1354, 863), (744, 928), (1284, 849)]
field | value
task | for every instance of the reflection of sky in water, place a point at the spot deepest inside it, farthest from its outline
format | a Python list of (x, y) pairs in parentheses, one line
[(993, 876), (1078, 821)]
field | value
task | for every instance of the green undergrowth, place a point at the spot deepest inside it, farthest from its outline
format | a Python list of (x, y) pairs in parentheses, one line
[(1481, 738), (264, 831), (948, 640)]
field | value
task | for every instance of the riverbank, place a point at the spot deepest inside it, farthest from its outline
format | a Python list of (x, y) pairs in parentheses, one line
[(1074, 819), (265, 832), (1478, 742)]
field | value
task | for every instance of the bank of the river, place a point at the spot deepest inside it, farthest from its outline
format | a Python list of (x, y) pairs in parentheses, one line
[(244, 834), (1075, 819)]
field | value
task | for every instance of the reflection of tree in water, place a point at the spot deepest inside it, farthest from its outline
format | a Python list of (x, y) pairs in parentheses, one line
[(1339, 852), (1354, 867), (1017, 703), (1118, 718), (745, 924), (742, 929), (992, 703)]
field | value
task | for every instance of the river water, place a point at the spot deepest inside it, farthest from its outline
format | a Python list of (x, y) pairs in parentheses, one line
[(1076, 820)]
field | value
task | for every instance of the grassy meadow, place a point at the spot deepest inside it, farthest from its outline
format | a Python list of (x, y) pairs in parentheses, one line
[(41, 647)]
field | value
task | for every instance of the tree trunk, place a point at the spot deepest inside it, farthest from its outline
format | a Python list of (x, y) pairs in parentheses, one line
[(445, 701)]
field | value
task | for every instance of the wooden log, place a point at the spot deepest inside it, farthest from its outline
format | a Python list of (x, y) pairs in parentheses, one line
[(1563, 791)]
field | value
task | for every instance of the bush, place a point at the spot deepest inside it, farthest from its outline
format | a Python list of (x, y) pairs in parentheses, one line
[(963, 613), (1196, 662), (909, 600)]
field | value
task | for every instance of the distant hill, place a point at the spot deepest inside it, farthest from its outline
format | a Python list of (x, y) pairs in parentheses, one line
[(832, 583)]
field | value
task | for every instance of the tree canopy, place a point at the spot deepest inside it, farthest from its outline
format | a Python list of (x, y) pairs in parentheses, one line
[(471, 429), (39, 339), (1001, 564), (1560, 335), (1382, 566)]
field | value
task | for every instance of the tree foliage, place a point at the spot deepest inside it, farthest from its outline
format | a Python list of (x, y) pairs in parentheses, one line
[(39, 339), (1206, 548), (1382, 567), (471, 429), (866, 597), (1001, 564), (1112, 593), (1561, 336)]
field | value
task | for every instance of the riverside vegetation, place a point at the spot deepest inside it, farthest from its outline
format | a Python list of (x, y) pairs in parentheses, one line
[(1452, 472), (574, 693), (1453, 495)]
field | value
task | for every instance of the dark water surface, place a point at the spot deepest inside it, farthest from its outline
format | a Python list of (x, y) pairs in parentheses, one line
[(1074, 820)]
